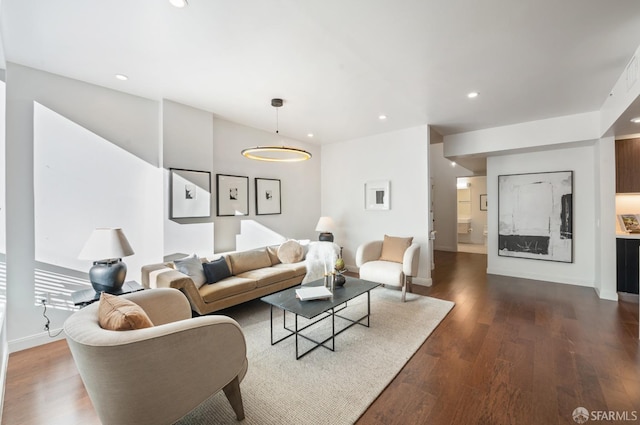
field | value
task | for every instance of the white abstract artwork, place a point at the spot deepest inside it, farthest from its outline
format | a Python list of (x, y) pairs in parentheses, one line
[(535, 213)]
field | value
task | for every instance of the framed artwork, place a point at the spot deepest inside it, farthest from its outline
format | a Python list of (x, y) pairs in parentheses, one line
[(377, 195), (629, 223), (535, 216), (268, 199), (483, 202), (233, 195), (190, 194)]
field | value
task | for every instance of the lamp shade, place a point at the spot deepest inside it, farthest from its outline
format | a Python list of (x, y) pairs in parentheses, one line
[(325, 224), (106, 244)]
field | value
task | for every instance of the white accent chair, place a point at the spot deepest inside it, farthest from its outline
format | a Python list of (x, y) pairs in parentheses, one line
[(159, 374), (391, 273)]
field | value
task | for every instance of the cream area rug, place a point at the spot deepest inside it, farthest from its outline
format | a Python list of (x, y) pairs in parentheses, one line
[(324, 387)]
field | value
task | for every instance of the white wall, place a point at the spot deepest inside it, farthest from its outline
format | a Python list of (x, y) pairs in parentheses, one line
[(300, 183), (402, 157), (444, 197), (187, 143), (580, 160), (129, 122)]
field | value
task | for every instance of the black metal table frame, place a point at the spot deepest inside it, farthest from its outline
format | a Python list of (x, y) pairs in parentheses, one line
[(326, 315)]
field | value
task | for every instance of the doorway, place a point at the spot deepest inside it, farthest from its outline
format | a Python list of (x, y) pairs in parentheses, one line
[(472, 214)]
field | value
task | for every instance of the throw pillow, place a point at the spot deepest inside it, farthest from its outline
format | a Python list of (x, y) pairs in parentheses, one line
[(216, 270), (393, 248), (192, 267), (291, 252), (273, 254), (120, 314)]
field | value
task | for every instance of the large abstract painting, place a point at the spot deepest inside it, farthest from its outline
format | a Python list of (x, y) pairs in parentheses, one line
[(535, 213)]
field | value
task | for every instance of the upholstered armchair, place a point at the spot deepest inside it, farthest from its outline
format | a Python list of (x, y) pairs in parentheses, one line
[(392, 261), (158, 374)]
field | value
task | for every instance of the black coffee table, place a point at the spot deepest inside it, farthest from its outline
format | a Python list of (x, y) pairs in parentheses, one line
[(322, 309)]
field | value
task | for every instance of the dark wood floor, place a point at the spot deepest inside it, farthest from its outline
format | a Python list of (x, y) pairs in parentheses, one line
[(512, 351)]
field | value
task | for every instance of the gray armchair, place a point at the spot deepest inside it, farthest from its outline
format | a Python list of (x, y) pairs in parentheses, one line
[(390, 273), (159, 374)]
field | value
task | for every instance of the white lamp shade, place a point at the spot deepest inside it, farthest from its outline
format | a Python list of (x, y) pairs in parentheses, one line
[(106, 244), (325, 224)]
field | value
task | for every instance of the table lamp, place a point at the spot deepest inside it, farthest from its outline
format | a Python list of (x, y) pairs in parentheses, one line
[(325, 226), (106, 247)]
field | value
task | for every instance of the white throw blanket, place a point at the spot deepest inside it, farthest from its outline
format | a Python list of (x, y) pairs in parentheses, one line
[(321, 258)]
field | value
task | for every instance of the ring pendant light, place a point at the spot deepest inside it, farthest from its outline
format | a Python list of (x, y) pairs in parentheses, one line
[(276, 153)]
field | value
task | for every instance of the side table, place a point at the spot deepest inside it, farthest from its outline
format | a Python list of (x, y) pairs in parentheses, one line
[(87, 296)]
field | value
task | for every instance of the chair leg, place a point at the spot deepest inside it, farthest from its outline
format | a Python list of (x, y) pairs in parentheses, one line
[(232, 391), (404, 289)]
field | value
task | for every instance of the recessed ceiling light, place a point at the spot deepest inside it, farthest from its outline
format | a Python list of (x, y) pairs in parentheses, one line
[(179, 3), (122, 77), (453, 164), (635, 120), (473, 95), (382, 117), (310, 135)]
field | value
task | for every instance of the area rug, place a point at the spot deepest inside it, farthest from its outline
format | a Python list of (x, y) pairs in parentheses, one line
[(324, 387)]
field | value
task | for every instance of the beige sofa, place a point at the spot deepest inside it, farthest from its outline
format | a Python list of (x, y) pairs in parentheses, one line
[(255, 273)]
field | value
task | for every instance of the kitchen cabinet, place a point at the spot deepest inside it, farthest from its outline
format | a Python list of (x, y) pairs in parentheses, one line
[(627, 264), (628, 166)]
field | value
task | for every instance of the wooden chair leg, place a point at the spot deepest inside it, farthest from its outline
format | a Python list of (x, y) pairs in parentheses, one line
[(232, 391), (404, 289)]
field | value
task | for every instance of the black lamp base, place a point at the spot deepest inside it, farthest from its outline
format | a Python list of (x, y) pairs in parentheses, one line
[(108, 276), (326, 237)]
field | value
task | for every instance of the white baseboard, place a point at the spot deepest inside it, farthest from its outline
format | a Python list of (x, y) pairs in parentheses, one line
[(35, 340), (567, 280), (607, 295)]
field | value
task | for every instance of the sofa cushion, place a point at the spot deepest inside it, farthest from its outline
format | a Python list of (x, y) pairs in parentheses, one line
[(120, 314), (216, 270), (291, 252), (227, 287), (192, 267), (299, 269), (385, 272), (393, 248), (268, 276), (248, 260)]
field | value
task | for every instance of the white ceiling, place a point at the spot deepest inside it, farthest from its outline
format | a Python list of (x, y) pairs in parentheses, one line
[(338, 64)]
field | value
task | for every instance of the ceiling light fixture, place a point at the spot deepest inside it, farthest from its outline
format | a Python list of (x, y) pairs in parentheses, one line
[(276, 153), (635, 120), (310, 135), (382, 117), (179, 3), (122, 77), (473, 95)]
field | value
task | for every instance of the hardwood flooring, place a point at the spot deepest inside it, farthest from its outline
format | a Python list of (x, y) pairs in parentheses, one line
[(515, 351), (512, 351)]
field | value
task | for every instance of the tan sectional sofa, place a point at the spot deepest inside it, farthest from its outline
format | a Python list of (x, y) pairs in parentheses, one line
[(255, 273)]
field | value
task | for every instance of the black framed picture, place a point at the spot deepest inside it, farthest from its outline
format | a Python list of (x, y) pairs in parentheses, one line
[(483, 202), (190, 194), (268, 196), (232, 194)]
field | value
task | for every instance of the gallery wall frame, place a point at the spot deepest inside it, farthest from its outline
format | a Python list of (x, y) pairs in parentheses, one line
[(483, 202), (232, 193), (377, 195), (535, 216), (190, 194), (268, 196)]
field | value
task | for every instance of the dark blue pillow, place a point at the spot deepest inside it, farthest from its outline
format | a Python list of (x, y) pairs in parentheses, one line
[(216, 270)]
